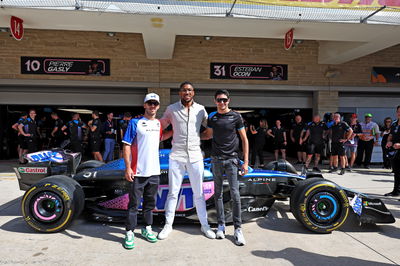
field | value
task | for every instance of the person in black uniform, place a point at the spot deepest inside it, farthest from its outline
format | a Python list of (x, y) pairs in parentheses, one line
[(95, 135), (340, 133), (385, 131), (22, 148), (278, 134), (314, 132), (393, 143), (57, 134), (123, 125), (30, 131), (224, 126), (295, 132), (259, 136), (75, 128), (109, 131)]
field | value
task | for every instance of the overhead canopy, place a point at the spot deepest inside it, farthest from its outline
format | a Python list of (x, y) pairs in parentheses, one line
[(303, 10), (356, 28)]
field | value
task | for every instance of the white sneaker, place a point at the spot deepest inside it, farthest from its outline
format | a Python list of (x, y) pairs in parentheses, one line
[(207, 231), (165, 232), (220, 232), (239, 238)]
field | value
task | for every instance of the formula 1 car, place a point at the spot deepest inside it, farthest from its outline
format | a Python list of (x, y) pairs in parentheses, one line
[(58, 188)]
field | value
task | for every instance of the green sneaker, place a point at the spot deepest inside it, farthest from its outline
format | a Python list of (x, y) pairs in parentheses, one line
[(148, 234), (129, 242)]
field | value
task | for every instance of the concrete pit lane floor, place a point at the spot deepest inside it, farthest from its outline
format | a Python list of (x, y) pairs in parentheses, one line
[(277, 239)]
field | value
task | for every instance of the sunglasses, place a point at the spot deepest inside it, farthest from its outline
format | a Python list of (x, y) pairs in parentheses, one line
[(220, 100), (155, 103)]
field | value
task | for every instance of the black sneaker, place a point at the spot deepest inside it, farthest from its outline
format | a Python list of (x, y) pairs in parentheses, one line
[(298, 162), (332, 170), (366, 167), (349, 169), (392, 194), (342, 171), (316, 169)]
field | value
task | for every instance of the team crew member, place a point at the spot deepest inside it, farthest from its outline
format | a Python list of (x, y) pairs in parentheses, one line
[(366, 142), (340, 133), (141, 146), (30, 131), (95, 135), (278, 133), (394, 143), (75, 129), (350, 146), (123, 125), (109, 138), (186, 118), (295, 135), (259, 136), (56, 134), (315, 134), (22, 148), (223, 126), (385, 131)]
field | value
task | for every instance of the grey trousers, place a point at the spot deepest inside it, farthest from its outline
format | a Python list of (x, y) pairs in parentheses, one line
[(229, 167)]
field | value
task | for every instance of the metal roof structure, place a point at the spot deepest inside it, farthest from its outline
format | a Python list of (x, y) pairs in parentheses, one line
[(374, 13)]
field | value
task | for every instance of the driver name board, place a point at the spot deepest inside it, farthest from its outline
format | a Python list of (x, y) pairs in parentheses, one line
[(65, 66), (248, 71)]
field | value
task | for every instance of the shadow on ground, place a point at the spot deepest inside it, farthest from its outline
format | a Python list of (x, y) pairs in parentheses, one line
[(279, 220), (300, 257)]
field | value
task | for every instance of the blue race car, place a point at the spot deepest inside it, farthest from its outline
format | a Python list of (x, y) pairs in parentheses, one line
[(58, 188)]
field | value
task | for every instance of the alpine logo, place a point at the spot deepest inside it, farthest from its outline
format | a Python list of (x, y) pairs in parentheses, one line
[(257, 209), (32, 170)]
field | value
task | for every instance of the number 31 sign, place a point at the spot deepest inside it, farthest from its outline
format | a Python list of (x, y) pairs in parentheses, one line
[(17, 28)]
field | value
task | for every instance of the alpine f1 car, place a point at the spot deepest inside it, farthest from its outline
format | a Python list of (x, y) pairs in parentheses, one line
[(58, 188)]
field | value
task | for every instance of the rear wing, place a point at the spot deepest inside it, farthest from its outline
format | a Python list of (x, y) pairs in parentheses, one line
[(46, 163)]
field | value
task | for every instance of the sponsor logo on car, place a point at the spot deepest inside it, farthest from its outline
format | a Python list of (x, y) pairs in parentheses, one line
[(32, 170), (257, 209), (368, 203)]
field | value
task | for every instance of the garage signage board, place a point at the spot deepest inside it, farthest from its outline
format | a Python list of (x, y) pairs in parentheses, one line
[(248, 71), (385, 75), (65, 66)]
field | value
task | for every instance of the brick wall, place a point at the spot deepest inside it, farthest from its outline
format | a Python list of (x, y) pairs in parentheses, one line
[(192, 56)]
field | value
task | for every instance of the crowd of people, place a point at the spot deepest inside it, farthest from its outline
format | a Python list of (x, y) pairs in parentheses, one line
[(101, 136), (346, 143)]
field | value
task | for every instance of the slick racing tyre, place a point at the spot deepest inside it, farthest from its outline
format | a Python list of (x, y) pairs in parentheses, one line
[(88, 165), (320, 205), (51, 204)]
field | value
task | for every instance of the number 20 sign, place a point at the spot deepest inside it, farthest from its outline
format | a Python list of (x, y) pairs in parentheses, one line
[(17, 28)]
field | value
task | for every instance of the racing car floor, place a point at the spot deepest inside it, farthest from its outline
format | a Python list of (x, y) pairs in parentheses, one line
[(277, 239)]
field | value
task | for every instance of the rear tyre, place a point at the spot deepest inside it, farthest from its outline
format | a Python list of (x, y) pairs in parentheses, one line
[(51, 204), (320, 205)]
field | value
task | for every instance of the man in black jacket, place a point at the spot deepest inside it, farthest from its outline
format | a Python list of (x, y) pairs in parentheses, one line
[(394, 144)]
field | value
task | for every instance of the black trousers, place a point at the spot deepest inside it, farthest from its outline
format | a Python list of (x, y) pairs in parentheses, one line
[(76, 146), (146, 187), (364, 147), (258, 149), (32, 144), (396, 170), (386, 160)]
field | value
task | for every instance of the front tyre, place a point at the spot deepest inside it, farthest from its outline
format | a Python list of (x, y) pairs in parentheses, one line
[(51, 204), (320, 205)]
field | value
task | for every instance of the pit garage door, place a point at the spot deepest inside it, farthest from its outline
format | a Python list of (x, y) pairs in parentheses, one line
[(255, 99), (82, 96)]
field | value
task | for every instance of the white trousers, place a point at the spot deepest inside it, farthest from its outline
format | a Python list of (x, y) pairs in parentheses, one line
[(176, 173)]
